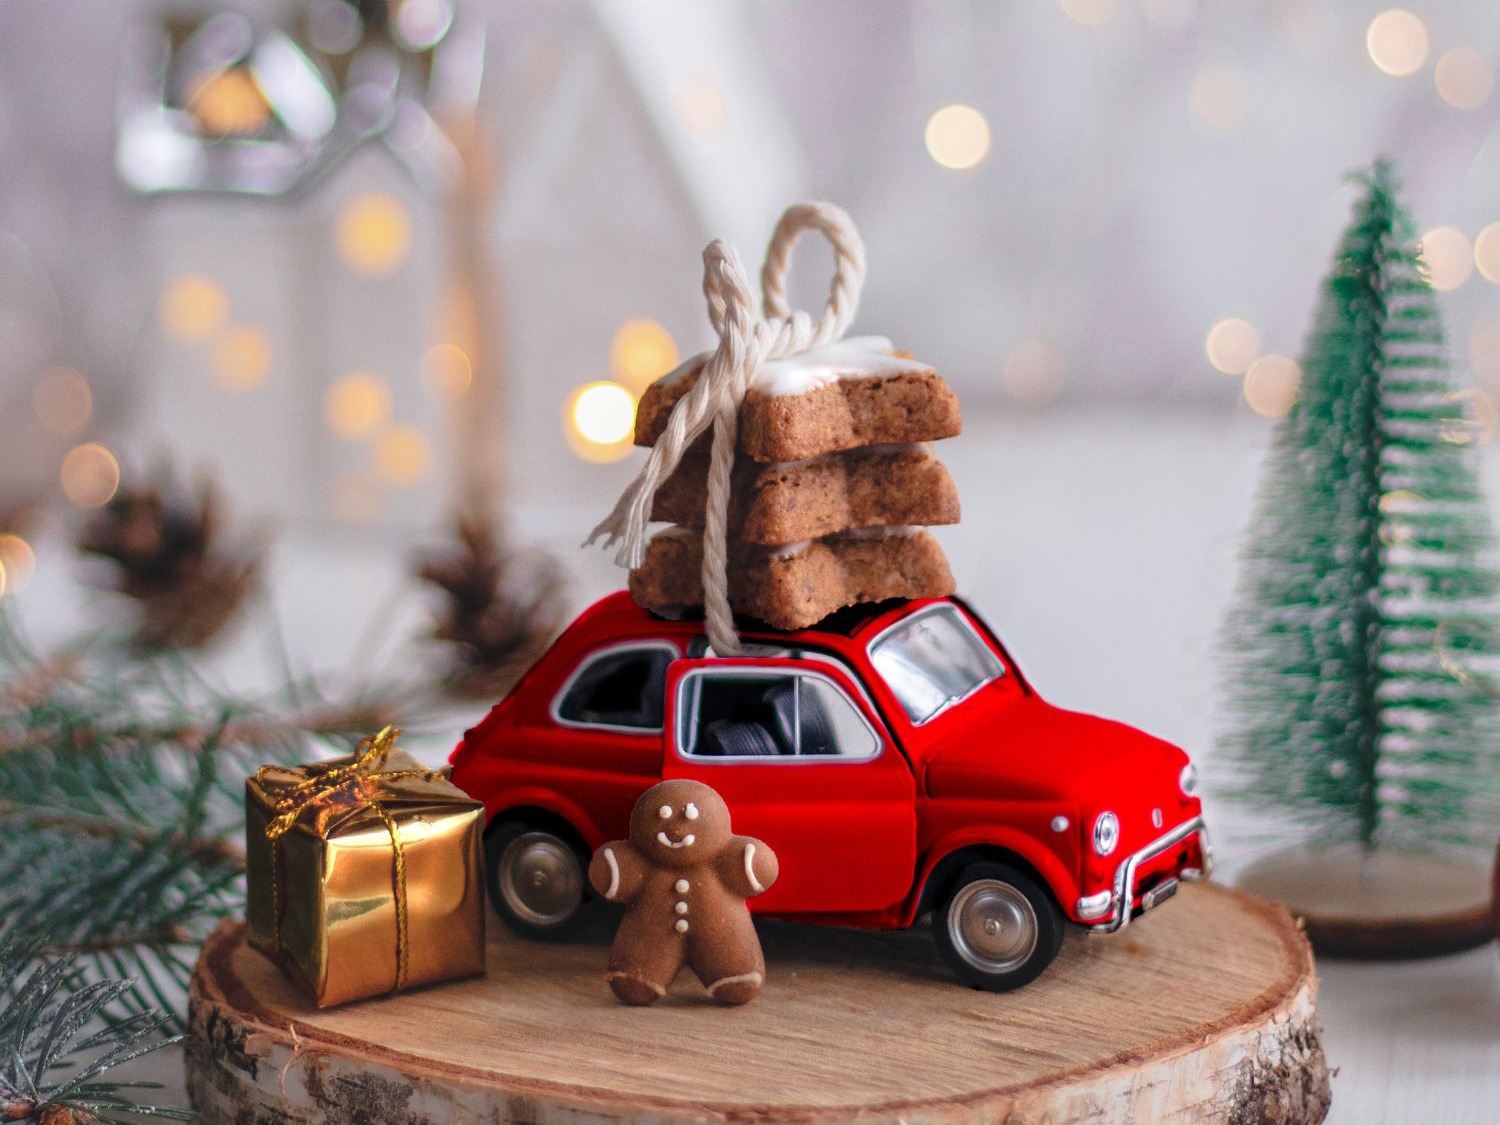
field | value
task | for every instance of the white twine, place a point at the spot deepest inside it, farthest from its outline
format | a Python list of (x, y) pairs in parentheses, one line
[(746, 340)]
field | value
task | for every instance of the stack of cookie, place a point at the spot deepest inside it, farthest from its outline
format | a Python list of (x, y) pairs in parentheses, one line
[(832, 486)]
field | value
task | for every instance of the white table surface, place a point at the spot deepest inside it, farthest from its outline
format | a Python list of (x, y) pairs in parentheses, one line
[(1101, 542)]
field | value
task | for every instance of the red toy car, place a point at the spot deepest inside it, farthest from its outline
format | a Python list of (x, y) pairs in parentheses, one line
[(893, 756)]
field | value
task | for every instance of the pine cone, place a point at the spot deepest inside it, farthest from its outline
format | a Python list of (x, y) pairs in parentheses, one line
[(55, 1114), (501, 611), (166, 556)]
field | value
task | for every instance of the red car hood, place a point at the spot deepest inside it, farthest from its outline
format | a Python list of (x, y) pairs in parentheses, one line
[(1026, 749)]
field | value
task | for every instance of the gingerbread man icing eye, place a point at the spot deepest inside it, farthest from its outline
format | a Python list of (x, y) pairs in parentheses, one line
[(691, 811), (665, 812)]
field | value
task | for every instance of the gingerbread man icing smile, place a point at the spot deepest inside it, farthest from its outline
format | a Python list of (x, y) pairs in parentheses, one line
[(683, 878)]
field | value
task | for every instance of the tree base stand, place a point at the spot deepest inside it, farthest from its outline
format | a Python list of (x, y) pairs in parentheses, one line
[(1202, 1010), (1384, 906)]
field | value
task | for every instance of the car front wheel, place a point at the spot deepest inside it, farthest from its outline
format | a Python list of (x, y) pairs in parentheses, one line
[(536, 880), (996, 928)]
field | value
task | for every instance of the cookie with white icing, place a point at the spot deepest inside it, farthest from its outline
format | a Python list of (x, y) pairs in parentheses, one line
[(799, 584), (683, 877), (855, 392)]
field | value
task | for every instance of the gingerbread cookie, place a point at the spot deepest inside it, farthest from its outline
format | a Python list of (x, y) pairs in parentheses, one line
[(683, 878)]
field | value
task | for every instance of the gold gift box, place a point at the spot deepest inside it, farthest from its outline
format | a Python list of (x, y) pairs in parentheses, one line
[(364, 873)]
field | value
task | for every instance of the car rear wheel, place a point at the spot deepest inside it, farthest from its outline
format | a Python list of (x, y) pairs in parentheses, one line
[(537, 880), (996, 928)]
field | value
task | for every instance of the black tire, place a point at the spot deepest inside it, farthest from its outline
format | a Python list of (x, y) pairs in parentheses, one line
[(537, 878), (996, 928)]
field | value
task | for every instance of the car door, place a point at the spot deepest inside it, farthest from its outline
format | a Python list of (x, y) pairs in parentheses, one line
[(804, 764)]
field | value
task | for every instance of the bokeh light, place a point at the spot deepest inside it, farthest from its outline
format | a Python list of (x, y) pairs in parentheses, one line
[(1487, 253), (374, 233), (242, 358), (1218, 99), (192, 308), (90, 475), (601, 421), (1090, 13), (357, 404), (1033, 372), (1478, 421), (957, 137), (700, 107), (402, 454), (62, 401), (1271, 384), (17, 563), (1232, 345), (446, 371), (1462, 77), (1397, 42), (229, 104), (1448, 256), (642, 352)]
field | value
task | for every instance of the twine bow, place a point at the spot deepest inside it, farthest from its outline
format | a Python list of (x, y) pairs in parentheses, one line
[(328, 784), (747, 339)]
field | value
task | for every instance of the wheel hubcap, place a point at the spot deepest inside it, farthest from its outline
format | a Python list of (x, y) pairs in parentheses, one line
[(540, 879), (992, 925)]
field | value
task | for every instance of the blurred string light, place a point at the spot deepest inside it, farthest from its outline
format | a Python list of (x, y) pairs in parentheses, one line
[(1033, 371), (957, 137), (192, 308), (446, 371), (229, 103), (1478, 418), (700, 108), (242, 358), (62, 402), (1448, 257), (1232, 344), (357, 404), (402, 454), (1397, 42), (373, 233), (601, 421), (1218, 99), (1272, 383), (17, 563), (1462, 77), (1487, 253), (641, 353), (1090, 13), (89, 475)]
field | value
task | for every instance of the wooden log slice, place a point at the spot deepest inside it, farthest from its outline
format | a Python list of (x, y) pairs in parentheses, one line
[(1386, 906), (1202, 1010)]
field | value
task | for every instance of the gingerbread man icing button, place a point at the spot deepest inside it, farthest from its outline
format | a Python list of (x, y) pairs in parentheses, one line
[(683, 878)]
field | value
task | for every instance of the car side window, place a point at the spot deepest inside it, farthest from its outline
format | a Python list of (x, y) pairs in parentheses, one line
[(776, 715), (620, 687)]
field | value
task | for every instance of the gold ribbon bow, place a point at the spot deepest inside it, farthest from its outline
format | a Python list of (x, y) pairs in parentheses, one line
[(327, 783)]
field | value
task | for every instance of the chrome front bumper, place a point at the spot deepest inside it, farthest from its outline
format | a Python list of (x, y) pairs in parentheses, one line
[(1124, 889)]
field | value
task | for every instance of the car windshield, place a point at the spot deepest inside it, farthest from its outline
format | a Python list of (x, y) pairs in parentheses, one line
[(932, 660)]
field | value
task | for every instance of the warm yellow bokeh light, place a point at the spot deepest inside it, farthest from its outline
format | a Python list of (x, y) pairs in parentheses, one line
[(1218, 99), (1397, 42), (192, 308), (402, 454), (1477, 423), (1232, 345), (601, 421), (446, 371), (1462, 77), (1033, 371), (1090, 13), (1271, 385), (229, 103), (374, 233), (1448, 256), (642, 352), (242, 358), (17, 562), (957, 136), (62, 401), (1487, 253), (357, 404), (90, 475), (700, 107)]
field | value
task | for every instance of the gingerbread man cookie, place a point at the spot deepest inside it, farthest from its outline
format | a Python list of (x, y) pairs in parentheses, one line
[(683, 878)]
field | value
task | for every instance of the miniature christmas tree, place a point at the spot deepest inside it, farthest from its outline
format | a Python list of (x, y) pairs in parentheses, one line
[(1357, 650)]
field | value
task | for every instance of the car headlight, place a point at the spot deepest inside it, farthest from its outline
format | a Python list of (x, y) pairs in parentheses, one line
[(1106, 833), (1188, 780)]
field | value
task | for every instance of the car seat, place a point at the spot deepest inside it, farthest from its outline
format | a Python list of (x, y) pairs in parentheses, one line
[(816, 735)]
